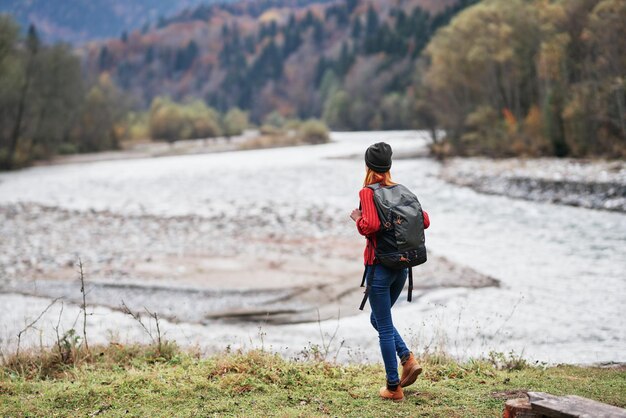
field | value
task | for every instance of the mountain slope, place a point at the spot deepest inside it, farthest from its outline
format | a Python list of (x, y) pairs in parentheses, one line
[(301, 58), (81, 20)]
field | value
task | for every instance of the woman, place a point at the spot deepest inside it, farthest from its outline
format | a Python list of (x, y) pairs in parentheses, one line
[(387, 283)]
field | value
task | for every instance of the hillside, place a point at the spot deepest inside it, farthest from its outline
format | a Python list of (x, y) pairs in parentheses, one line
[(77, 21), (300, 58)]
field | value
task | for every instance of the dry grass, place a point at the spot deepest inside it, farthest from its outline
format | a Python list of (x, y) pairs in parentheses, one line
[(65, 359)]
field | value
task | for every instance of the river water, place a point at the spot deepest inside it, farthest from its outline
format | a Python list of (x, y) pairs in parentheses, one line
[(562, 269)]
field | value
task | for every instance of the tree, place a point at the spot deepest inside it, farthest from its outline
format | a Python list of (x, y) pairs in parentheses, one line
[(337, 111), (491, 69), (345, 60), (58, 96), (329, 84), (32, 48), (357, 28), (235, 122), (318, 32), (372, 26), (101, 112), (394, 111), (600, 100), (105, 60), (11, 74), (186, 56), (534, 77), (44, 104)]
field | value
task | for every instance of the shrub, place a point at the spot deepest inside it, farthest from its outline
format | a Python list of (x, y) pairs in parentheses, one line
[(166, 121), (137, 125), (269, 130), (200, 121), (172, 121), (274, 119), (271, 141), (234, 122), (67, 148), (314, 131)]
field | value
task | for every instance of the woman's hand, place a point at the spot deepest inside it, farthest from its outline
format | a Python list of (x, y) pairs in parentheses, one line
[(355, 215)]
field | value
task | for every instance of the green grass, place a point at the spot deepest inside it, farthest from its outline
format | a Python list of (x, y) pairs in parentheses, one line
[(136, 381)]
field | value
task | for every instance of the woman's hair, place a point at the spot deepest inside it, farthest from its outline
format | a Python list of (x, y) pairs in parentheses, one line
[(372, 177)]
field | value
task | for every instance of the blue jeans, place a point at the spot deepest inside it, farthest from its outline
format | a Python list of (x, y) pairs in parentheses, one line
[(385, 287)]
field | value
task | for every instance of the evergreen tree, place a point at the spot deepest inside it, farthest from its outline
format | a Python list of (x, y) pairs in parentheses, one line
[(149, 55), (32, 49), (357, 27), (318, 32), (372, 41), (104, 59), (345, 60)]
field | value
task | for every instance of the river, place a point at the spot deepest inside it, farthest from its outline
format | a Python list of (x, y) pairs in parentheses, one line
[(562, 270)]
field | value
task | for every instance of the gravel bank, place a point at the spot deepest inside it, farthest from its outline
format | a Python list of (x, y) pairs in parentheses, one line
[(164, 233), (585, 183), (175, 265)]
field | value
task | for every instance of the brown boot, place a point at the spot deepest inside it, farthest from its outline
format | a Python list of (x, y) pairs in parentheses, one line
[(393, 395), (410, 371)]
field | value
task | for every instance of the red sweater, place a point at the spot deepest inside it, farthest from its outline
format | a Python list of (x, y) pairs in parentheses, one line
[(369, 224)]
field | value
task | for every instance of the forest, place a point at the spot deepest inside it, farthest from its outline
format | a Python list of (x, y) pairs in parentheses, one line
[(500, 78), (533, 78), (46, 104), (300, 61)]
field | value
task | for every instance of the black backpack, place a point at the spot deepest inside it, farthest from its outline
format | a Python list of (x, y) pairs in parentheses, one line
[(400, 241)]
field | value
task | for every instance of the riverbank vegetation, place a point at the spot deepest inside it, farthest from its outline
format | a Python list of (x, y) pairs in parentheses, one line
[(45, 105), (535, 78), (277, 131), (48, 107), (348, 62), (143, 380), (170, 121), (531, 78)]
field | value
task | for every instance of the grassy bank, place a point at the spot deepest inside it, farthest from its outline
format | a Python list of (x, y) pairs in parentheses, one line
[(137, 381)]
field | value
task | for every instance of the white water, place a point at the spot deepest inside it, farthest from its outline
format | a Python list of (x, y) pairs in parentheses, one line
[(562, 269)]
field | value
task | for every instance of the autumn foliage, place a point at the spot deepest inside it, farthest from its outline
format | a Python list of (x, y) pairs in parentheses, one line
[(534, 78), (300, 58)]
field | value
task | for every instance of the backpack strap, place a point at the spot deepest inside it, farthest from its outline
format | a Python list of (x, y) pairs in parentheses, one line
[(410, 295), (369, 274), (374, 186)]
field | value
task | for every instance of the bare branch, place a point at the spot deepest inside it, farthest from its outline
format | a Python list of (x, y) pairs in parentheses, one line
[(325, 345), (84, 305), (29, 326), (125, 309), (156, 320), (63, 353)]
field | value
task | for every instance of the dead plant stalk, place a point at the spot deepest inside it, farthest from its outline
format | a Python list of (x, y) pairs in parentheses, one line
[(84, 305), (31, 325)]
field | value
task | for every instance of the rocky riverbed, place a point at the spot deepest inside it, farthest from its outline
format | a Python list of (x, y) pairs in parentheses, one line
[(234, 249), (176, 266), (585, 183)]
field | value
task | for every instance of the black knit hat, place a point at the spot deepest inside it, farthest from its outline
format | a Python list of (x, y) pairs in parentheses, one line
[(378, 157)]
